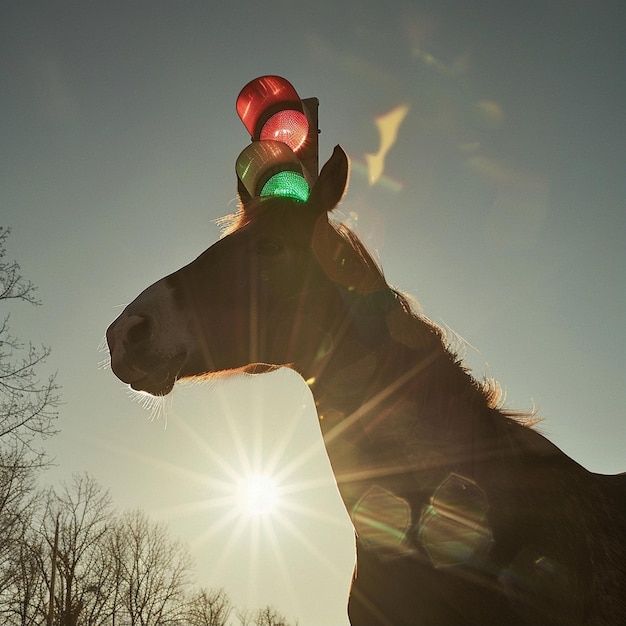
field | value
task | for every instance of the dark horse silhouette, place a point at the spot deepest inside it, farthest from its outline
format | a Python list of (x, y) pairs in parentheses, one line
[(463, 513)]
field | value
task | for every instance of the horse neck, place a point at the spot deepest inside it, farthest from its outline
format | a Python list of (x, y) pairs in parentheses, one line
[(402, 416)]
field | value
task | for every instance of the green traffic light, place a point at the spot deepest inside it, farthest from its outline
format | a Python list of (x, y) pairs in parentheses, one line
[(287, 184)]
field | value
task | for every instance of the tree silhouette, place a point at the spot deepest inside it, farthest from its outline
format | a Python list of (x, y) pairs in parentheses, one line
[(82, 511), (27, 414), (267, 616), (110, 569), (209, 607), (27, 405), (154, 571)]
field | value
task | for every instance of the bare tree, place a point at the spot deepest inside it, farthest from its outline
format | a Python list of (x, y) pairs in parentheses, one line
[(27, 405), (23, 597), (208, 608), (83, 511), (27, 414), (16, 484), (108, 570), (269, 616), (62, 539), (245, 616), (154, 571)]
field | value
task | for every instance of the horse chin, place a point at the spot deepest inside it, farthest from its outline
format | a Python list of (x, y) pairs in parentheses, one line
[(160, 381), (158, 388)]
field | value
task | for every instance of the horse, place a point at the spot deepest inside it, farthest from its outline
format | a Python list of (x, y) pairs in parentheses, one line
[(463, 513)]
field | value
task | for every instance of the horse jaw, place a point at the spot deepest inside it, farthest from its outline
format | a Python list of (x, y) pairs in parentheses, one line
[(253, 369)]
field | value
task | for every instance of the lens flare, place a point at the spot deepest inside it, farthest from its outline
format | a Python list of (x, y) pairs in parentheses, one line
[(388, 126)]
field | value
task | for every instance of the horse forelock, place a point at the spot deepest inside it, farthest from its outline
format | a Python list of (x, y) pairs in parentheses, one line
[(253, 210), (232, 222)]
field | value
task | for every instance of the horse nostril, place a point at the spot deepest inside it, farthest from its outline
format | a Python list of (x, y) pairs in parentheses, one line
[(137, 330)]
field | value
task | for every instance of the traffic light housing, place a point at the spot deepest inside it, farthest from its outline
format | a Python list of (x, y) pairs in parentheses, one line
[(283, 157)]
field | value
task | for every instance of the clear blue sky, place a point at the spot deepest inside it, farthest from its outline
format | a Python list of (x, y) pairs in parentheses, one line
[(502, 210)]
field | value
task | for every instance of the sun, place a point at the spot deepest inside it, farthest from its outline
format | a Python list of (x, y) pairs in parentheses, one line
[(258, 494)]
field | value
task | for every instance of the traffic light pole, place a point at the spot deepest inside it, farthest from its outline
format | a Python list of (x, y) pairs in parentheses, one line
[(310, 157)]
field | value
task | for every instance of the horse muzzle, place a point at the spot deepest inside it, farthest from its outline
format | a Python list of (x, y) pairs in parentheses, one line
[(134, 359)]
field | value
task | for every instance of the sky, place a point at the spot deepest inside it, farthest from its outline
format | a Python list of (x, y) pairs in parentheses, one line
[(501, 208)]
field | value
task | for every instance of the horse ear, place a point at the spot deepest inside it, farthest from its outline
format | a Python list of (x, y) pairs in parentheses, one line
[(332, 182)]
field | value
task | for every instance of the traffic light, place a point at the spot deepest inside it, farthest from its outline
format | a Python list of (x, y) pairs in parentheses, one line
[(283, 157)]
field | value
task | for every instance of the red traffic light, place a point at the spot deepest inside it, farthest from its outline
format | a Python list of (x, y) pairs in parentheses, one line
[(270, 108)]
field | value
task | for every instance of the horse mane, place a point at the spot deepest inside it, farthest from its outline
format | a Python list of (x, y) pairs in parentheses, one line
[(410, 312), (409, 317), (407, 312)]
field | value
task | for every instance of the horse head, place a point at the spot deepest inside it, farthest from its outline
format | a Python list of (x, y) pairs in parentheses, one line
[(270, 292)]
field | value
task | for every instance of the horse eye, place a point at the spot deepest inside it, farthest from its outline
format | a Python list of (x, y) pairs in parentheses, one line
[(267, 247)]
